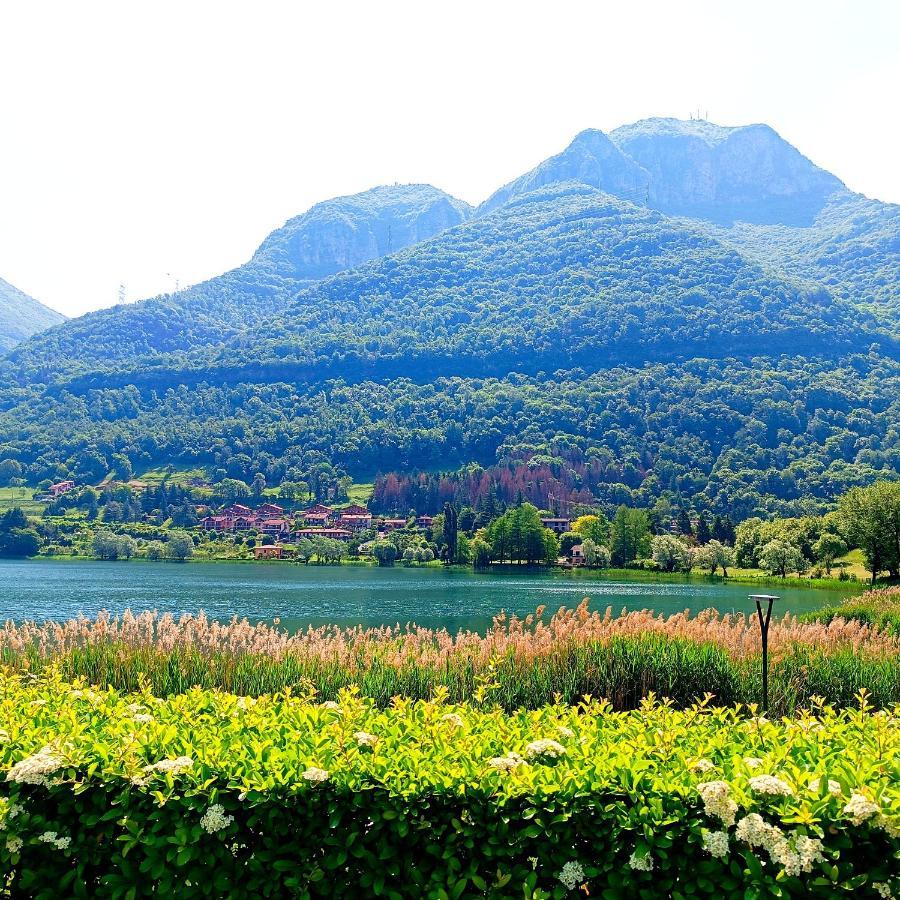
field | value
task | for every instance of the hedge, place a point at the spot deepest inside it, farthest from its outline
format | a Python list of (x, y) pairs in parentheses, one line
[(210, 794)]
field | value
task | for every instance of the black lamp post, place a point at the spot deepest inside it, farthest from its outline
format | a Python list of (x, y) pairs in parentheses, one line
[(764, 631)]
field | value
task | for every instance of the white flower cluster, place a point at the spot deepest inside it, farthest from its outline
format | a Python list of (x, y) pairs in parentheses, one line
[(641, 863), (452, 719), (175, 766), (143, 718), (703, 766), (715, 843), (331, 705), (833, 787), (565, 732), (571, 875), (545, 749), (769, 784), (364, 739), (14, 844), (860, 808), (35, 769), (794, 856), (752, 762), (717, 801), (507, 763), (51, 837), (313, 773), (214, 819), (883, 890)]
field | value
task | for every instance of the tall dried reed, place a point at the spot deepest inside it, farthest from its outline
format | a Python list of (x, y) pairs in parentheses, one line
[(519, 662)]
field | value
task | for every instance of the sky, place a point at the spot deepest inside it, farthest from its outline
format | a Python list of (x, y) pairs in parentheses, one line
[(156, 144)]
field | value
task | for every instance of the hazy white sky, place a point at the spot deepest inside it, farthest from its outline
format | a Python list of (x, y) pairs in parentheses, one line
[(144, 142)]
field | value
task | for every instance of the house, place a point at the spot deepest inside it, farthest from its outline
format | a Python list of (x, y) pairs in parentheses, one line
[(60, 488), (270, 511), (137, 487), (217, 523), (355, 518), (389, 525), (424, 521), (575, 556), (274, 526), (558, 525), (237, 510), (272, 551), (318, 515), (336, 534)]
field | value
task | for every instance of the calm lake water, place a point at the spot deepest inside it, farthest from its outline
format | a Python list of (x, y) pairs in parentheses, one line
[(345, 595)]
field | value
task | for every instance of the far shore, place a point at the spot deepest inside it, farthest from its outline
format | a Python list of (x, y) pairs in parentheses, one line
[(613, 574)]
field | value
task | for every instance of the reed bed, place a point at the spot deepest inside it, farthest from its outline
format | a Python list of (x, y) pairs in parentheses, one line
[(519, 662), (879, 608)]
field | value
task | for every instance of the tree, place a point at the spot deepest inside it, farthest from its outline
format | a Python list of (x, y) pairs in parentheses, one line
[(10, 469), (595, 527), (714, 555), (871, 521), (451, 531), (257, 486), (180, 546), (155, 550), (481, 552), (230, 490), (704, 533), (779, 557), (630, 536), (596, 556), (670, 553), (17, 537), (385, 552), (684, 523), (828, 548)]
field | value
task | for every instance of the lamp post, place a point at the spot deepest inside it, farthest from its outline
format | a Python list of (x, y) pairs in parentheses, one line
[(764, 632)]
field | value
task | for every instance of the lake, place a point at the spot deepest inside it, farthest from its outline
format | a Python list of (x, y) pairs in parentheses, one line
[(346, 595)]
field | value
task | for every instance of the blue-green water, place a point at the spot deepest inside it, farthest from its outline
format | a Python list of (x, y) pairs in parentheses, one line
[(345, 595)]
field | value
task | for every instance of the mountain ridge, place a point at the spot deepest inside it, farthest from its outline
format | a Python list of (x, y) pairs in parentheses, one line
[(22, 316)]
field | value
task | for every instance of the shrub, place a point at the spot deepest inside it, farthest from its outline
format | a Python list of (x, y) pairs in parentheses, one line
[(209, 794)]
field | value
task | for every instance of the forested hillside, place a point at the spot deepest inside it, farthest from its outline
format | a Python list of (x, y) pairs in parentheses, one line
[(22, 316), (749, 362), (330, 237)]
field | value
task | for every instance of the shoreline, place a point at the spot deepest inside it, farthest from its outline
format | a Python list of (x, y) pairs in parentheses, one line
[(506, 569)]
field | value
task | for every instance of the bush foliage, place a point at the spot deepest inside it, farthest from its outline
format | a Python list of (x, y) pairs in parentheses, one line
[(207, 793)]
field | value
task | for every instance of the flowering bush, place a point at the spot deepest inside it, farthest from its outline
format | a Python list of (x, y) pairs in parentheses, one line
[(220, 796)]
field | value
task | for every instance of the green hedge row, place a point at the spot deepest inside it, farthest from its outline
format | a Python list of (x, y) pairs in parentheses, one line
[(208, 794)]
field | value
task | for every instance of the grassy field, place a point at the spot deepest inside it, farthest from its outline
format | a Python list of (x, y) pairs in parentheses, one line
[(361, 493), (20, 496)]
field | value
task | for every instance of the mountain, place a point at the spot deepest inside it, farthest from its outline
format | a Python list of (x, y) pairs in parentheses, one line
[(22, 316), (726, 175), (342, 233), (592, 159), (329, 237), (728, 336)]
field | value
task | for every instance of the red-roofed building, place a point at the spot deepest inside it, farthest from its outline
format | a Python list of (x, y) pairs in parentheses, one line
[(236, 510), (336, 534), (60, 488), (217, 523), (270, 511), (274, 526), (388, 525)]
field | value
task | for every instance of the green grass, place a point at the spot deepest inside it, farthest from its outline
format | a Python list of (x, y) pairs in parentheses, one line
[(23, 497), (361, 493)]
